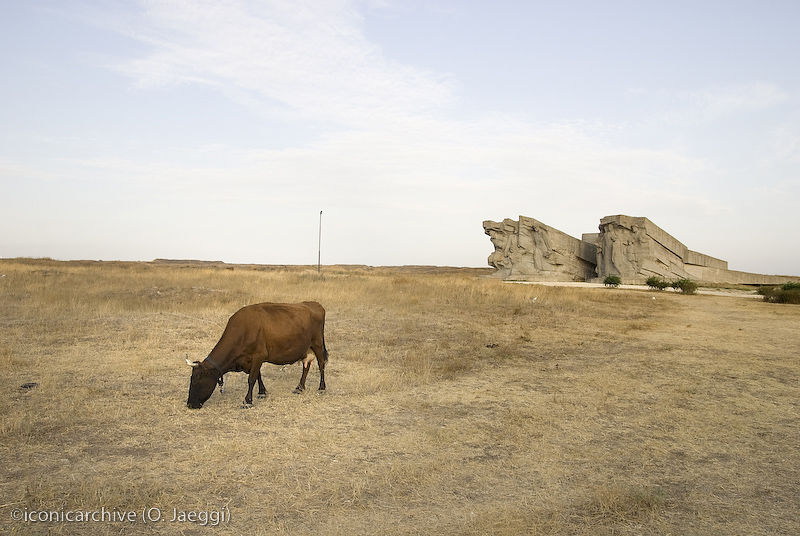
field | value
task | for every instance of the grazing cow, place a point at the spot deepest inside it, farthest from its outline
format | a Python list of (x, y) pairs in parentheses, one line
[(278, 333)]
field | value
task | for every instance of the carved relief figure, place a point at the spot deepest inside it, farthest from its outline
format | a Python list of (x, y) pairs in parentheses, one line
[(605, 245), (621, 250), (612, 250), (502, 240), (542, 248), (637, 247)]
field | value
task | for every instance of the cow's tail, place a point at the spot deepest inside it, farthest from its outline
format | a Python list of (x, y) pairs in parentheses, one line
[(324, 348)]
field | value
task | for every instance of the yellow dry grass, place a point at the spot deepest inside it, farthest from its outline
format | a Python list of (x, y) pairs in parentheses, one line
[(455, 405)]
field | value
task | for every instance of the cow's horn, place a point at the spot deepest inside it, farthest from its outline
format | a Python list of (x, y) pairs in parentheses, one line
[(192, 364)]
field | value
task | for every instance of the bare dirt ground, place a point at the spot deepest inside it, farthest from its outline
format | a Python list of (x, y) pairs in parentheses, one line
[(456, 404)]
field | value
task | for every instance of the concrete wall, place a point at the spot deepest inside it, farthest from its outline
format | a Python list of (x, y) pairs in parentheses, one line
[(698, 259), (708, 274)]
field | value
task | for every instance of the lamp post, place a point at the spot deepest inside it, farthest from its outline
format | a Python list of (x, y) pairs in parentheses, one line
[(319, 244)]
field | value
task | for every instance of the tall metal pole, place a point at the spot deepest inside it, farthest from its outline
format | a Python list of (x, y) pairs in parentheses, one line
[(319, 247)]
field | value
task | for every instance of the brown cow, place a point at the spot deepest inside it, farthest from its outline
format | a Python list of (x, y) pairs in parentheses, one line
[(278, 333)]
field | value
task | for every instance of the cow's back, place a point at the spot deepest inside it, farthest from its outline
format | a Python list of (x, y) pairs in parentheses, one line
[(284, 331), (317, 311)]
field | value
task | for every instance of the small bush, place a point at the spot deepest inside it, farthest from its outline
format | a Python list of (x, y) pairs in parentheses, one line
[(687, 286), (788, 293), (612, 281), (656, 283)]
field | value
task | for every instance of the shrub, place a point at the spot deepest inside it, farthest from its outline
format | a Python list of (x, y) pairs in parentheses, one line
[(612, 281), (656, 283), (687, 286), (788, 293)]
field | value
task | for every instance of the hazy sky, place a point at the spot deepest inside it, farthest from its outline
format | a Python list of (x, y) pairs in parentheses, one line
[(218, 130)]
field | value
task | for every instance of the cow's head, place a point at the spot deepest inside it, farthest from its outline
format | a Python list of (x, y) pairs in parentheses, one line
[(202, 384)]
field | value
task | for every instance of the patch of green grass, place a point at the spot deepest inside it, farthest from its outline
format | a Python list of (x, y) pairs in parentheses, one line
[(687, 286), (656, 283), (788, 293)]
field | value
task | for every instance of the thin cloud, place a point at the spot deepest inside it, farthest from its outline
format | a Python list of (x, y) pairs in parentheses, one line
[(719, 102), (705, 105), (315, 62)]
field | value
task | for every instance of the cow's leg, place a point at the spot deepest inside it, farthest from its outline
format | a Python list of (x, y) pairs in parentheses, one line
[(262, 391), (306, 367), (319, 351), (255, 372)]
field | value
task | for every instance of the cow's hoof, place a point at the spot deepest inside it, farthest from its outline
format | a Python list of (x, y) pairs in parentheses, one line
[(297, 390), (245, 405), (262, 395)]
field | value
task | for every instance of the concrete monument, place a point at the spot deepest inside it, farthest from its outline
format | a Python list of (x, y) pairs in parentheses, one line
[(528, 248), (633, 248)]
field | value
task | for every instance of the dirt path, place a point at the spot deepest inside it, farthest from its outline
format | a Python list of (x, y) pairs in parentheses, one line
[(579, 284)]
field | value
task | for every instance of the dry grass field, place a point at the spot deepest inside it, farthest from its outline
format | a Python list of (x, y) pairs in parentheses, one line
[(455, 405)]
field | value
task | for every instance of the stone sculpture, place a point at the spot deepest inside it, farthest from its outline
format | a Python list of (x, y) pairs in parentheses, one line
[(528, 248), (633, 248)]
